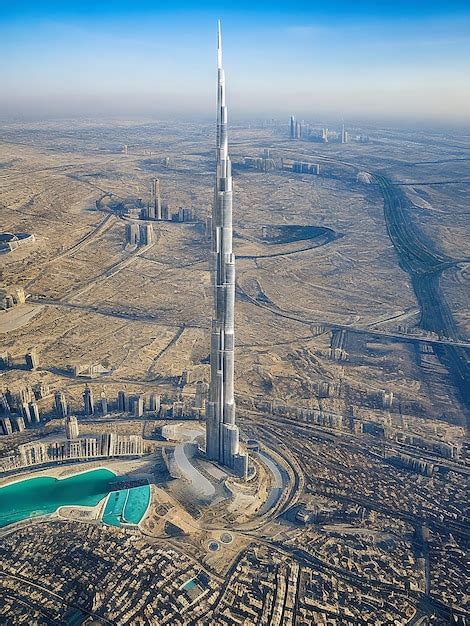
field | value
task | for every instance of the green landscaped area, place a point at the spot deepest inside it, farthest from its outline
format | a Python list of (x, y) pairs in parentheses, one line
[(44, 495)]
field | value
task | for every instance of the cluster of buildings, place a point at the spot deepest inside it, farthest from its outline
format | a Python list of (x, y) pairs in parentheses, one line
[(307, 415), (135, 404), (11, 296), (159, 211), (18, 423), (449, 559), (392, 562), (300, 167), (266, 163), (262, 590), (420, 466), (73, 448), (360, 473), (295, 128), (301, 130), (31, 360), (154, 210), (269, 587), (20, 410), (87, 370), (139, 234), (328, 599), (412, 441), (124, 581), (338, 345), (444, 449)]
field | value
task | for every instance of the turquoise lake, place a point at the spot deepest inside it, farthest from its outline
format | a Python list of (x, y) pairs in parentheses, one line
[(44, 495)]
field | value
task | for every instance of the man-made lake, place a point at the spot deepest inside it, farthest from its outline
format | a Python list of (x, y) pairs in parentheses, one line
[(44, 495)]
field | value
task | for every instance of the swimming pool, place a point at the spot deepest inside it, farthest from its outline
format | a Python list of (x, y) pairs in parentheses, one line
[(127, 506)]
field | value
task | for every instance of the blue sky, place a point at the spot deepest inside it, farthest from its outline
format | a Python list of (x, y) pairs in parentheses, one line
[(316, 59)]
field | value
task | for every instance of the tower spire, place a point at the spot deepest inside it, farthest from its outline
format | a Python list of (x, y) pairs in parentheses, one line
[(219, 46)]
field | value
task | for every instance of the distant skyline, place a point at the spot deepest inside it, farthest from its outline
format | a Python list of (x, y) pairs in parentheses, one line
[(357, 60)]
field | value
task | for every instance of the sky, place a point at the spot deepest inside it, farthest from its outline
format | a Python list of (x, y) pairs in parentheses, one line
[(365, 59)]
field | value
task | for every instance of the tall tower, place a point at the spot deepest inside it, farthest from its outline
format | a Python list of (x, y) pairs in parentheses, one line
[(292, 127), (156, 199), (31, 359), (60, 404), (71, 427), (222, 435), (88, 403)]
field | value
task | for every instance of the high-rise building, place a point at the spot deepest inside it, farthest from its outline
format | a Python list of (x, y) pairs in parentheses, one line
[(137, 406), (4, 405), (146, 234), (103, 404), (41, 390), (344, 135), (156, 202), (60, 404), (154, 402), (5, 360), (32, 360), (132, 233), (292, 127), (71, 427), (34, 411), (122, 401), (25, 394), (19, 423), (202, 390), (6, 427), (222, 434), (25, 412), (88, 404)]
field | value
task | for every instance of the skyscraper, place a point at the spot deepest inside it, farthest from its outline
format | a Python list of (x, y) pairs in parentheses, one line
[(103, 404), (34, 411), (88, 404), (154, 402), (123, 401), (26, 412), (60, 404), (71, 427), (19, 422), (31, 359), (292, 127), (156, 200), (222, 434)]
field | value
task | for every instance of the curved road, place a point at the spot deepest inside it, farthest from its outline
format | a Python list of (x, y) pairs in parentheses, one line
[(419, 258)]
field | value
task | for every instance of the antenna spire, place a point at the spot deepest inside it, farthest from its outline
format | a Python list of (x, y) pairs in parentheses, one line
[(219, 46)]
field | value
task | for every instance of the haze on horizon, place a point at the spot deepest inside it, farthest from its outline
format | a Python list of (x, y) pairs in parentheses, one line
[(398, 60)]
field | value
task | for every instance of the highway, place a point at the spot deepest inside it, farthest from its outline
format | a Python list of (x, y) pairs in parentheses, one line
[(424, 264), (357, 329), (102, 226)]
